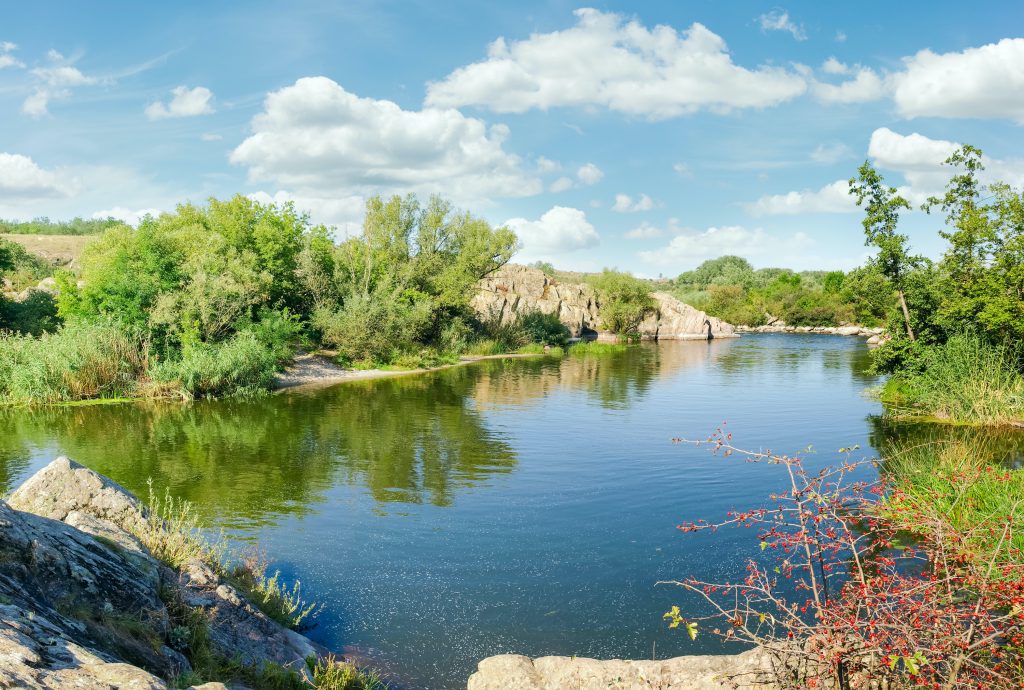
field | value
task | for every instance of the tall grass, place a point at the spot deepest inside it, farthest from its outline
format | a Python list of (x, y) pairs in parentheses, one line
[(592, 348), (242, 365), (964, 380), (958, 477), (79, 361)]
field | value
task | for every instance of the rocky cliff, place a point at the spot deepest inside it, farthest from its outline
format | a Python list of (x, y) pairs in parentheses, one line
[(515, 289), (83, 603)]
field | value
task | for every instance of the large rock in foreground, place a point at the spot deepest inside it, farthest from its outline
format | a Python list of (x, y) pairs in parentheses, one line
[(514, 289), (83, 603), (514, 672)]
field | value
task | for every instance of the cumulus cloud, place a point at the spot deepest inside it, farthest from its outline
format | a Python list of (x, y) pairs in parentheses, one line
[(589, 174), (682, 169), (865, 86), (624, 203), (832, 198), (6, 59), (919, 159), (607, 61), (559, 231), (126, 215), (185, 102), (985, 82), (780, 21), (21, 178), (53, 82), (319, 140), (691, 247), (834, 66)]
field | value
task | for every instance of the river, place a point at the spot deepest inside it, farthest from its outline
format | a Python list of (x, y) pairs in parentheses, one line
[(524, 505)]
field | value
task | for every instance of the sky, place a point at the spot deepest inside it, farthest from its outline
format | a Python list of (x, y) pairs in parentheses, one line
[(646, 136)]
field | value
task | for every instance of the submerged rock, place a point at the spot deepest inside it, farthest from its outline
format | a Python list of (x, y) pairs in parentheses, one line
[(710, 672), (514, 289), (84, 604)]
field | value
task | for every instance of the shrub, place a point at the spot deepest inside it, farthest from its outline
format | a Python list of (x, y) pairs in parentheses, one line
[(851, 602), (372, 327), (542, 328), (34, 315), (625, 300), (242, 365)]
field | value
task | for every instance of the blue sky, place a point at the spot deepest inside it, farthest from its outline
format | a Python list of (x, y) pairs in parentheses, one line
[(647, 136)]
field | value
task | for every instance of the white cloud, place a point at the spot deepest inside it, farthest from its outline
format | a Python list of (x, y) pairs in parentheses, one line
[(561, 184), (625, 204), (21, 178), (865, 86), (53, 83), (210, 136), (832, 198), (186, 102), (691, 248), (647, 231), (321, 141), (831, 153), (344, 212), (606, 61), (559, 231), (546, 165), (834, 66), (780, 21), (682, 169), (840, 37), (589, 174), (6, 59), (986, 82), (127, 216)]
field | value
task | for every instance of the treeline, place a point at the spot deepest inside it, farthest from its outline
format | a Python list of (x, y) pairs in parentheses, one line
[(731, 289), (45, 226), (212, 300)]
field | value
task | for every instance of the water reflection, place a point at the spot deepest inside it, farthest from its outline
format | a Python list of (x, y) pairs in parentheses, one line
[(997, 445)]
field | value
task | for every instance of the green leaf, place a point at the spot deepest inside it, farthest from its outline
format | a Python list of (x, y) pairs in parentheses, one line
[(691, 630)]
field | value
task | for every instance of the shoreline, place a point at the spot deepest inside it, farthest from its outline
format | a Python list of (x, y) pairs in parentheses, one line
[(310, 370)]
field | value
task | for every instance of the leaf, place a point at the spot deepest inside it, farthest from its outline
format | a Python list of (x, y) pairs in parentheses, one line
[(764, 545), (893, 660), (691, 630)]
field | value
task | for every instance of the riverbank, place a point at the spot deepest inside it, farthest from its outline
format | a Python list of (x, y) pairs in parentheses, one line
[(875, 336), (99, 591)]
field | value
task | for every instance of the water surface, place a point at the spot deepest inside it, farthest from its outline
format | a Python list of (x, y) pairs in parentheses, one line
[(523, 505)]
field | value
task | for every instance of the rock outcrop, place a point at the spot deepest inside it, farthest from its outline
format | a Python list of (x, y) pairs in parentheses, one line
[(514, 289), (514, 672), (83, 603)]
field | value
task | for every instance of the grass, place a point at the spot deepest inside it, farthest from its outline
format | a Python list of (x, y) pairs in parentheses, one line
[(56, 249), (592, 347), (960, 479), (965, 380)]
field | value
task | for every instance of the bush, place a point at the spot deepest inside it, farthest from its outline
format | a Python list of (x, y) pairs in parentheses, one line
[(625, 300), (242, 365), (79, 361), (542, 328), (372, 327), (34, 315)]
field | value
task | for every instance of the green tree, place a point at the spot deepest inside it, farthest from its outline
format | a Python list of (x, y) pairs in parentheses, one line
[(882, 206)]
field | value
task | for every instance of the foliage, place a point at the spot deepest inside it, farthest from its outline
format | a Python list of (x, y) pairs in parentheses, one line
[(965, 379), (19, 267), (34, 315), (593, 348), (284, 605), (545, 329), (625, 300), (851, 603)]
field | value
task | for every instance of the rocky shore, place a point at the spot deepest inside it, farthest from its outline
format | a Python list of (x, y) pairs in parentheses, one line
[(875, 336), (514, 289), (514, 672), (84, 604)]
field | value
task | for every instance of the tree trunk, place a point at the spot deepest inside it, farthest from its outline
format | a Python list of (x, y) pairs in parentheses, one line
[(906, 315)]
